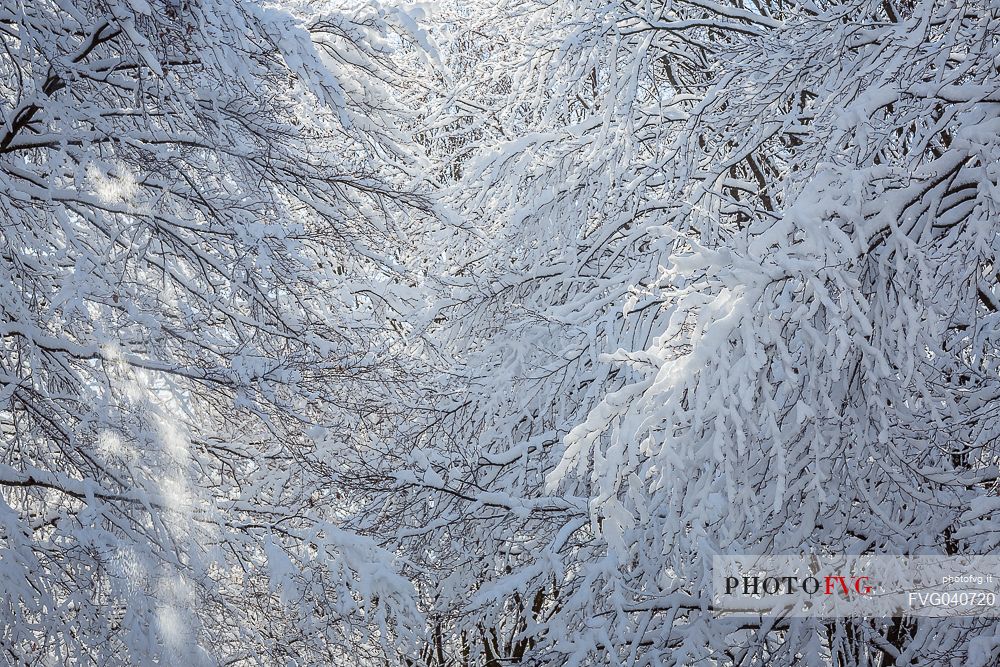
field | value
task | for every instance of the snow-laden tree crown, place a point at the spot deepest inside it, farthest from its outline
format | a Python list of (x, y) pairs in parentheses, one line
[(465, 334), (203, 205)]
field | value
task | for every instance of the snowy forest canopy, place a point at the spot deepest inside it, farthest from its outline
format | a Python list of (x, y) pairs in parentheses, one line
[(464, 334)]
